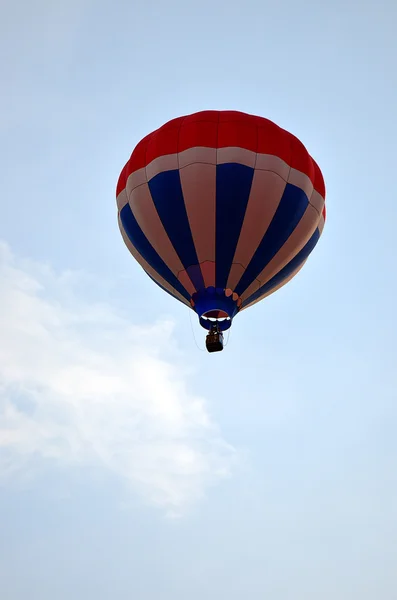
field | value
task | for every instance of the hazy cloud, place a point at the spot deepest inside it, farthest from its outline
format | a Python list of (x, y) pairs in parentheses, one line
[(81, 385)]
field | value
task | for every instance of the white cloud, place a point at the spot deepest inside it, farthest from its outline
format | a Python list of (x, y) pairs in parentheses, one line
[(82, 386)]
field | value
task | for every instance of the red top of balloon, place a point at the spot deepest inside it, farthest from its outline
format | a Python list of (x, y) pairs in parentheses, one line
[(222, 129)]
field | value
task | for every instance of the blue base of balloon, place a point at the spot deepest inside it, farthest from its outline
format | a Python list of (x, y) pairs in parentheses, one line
[(214, 299)]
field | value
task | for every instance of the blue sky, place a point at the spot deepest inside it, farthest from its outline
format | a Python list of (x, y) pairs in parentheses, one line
[(132, 464)]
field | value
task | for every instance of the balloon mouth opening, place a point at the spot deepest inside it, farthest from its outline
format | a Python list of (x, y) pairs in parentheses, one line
[(215, 306), (216, 315)]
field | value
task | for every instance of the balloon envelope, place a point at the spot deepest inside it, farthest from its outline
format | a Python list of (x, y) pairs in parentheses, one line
[(221, 209)]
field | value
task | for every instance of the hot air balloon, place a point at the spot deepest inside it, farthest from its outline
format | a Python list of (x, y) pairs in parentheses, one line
[(221, 209)]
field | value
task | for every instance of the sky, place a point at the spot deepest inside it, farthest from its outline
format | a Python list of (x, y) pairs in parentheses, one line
[(133, 464)]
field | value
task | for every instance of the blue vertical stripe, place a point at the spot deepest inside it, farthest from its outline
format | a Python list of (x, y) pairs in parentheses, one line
[(289, 212), (167, 194), (296, 262), (146, 250), (233, 186)]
